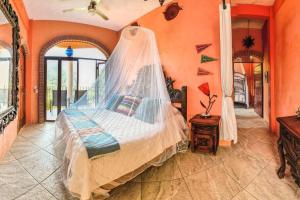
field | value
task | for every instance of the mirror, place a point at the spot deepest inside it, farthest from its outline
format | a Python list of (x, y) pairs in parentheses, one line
[(9, 46)]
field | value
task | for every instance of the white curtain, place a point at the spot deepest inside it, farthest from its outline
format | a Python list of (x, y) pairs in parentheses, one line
[(228, 123)]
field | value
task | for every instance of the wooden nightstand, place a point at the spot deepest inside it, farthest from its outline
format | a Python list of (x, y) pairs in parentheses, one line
[(205, 134)]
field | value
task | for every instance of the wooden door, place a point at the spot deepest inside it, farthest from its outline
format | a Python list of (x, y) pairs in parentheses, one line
[(258, 89), (22, 105)]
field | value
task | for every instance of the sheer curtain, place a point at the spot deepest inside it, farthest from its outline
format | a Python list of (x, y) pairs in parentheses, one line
[(228, 123)]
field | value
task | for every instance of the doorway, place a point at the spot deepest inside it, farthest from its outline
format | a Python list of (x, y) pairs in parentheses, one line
[(248, 86), (67, 79), (71, 68)]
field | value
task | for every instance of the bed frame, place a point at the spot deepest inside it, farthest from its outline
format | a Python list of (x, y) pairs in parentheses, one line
[(178, 97)]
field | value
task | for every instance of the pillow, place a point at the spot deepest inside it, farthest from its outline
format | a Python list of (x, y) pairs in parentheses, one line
[(128, 105), (147, 110), (114, 102)]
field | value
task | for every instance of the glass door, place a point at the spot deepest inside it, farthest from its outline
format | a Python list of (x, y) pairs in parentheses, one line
[(61, 85), (51, 89), (67, 79)]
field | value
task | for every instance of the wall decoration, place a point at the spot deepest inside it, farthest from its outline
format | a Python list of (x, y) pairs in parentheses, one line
[(203, 72), (205, 59), (204, 88), (172, 11), (135, 24), (202, 47), (248, 41)]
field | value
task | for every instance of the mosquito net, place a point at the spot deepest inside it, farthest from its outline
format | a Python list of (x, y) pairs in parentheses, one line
[(124, 123)]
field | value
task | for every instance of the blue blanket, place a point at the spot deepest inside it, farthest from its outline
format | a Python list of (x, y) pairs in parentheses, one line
[(99, 144), (96, 142)]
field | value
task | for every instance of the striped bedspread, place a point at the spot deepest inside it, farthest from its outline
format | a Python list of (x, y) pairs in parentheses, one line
[(96, 141)]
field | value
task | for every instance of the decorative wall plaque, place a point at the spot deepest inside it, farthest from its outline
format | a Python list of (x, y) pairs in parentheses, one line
[(202, 47), (172, 11), (205, 59)]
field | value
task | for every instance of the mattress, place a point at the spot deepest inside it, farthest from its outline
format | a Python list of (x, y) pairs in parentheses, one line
[(140, 142)]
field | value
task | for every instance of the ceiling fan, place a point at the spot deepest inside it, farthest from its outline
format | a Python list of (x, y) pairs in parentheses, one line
[(92, 8)]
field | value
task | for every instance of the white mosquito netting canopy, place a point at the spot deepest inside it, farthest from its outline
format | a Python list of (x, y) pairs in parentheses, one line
[(124, 123)]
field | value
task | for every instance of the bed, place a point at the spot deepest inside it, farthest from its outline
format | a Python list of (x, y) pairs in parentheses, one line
[(139, 150), (240, 90)]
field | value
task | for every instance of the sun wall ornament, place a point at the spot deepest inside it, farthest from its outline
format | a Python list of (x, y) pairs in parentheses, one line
[(172, 11), (205, 59), (248, 41)]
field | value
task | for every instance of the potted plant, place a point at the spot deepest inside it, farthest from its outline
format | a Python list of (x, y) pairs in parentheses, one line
[(204, 88)]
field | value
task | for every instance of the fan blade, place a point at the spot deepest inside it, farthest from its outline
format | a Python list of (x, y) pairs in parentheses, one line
[(75, 9), (98, 12)]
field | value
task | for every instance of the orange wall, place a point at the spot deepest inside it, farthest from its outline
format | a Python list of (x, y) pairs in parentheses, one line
[(287, 80), (197, 23), (10, 133), (44, 31)]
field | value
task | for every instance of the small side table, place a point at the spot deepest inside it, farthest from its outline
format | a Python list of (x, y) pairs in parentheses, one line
[(205, 134)]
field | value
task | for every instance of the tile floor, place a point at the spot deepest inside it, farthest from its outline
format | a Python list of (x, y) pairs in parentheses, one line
[(247, 171)]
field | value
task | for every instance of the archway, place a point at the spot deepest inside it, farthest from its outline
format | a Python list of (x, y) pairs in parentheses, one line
[(62, 42)]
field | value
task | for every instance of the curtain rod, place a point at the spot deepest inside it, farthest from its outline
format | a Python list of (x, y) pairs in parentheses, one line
[(224, 5)]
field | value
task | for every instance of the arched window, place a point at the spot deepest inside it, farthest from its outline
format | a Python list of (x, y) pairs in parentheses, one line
[(71, 67)]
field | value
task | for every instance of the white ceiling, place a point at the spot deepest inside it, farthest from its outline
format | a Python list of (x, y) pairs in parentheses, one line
[(243, 23), (257, 2), (120, 12)]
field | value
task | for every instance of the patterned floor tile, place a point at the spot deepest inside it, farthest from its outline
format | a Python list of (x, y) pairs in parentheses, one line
[(212, 184), (14, 180), (37, 193), (40, 164), (56, 187), (128, 191), (244, 167), (193, 163), (244, 195), (22, 148), (166, 172), (175, 190), (268, 186)]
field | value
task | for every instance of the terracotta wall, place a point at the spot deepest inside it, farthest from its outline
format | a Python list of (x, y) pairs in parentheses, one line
[(10, 133), (44, 31), (198, 23), (287, 80)]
